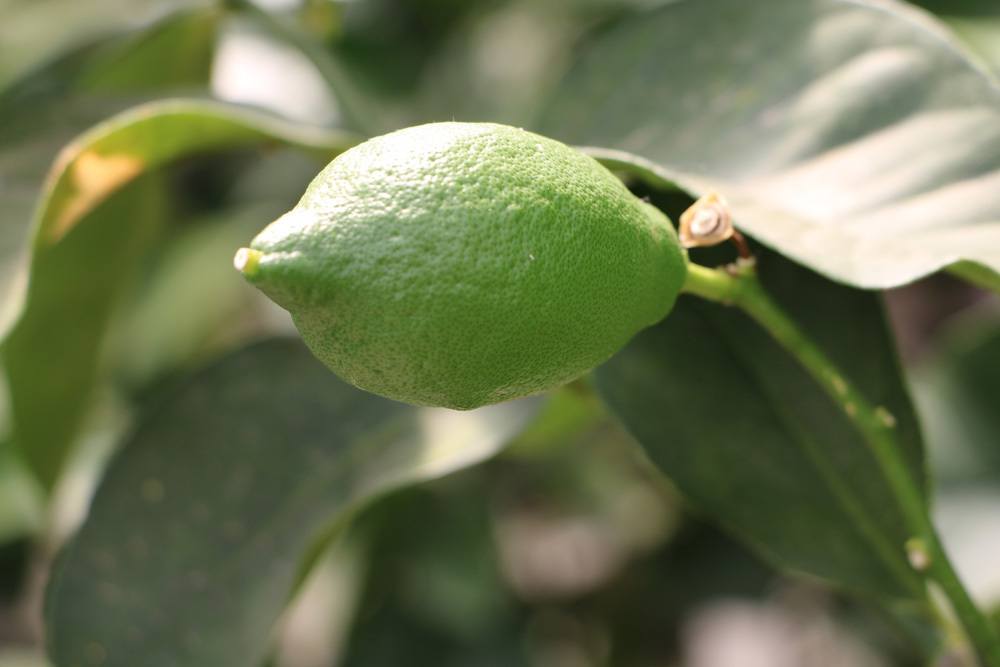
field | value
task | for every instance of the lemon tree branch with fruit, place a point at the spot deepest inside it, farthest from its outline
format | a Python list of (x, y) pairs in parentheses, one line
[(458, 265)]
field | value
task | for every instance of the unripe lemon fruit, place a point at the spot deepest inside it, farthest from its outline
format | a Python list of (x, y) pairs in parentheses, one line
[(462, 264)]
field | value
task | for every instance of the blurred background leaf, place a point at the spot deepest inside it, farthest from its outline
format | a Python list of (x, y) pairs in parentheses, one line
[(32, 32), (577, 553), (976, 22), (982, 35), (48, 372), (175, 51), (192, 274), (196, 535), (52, 102), (95, 224), (20, 506), (957, 388)]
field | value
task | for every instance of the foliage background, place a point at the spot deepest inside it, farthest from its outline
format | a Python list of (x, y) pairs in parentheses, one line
[(566, 549)]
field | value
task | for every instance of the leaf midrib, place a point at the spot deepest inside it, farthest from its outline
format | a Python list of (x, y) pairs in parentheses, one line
[(830, 475)]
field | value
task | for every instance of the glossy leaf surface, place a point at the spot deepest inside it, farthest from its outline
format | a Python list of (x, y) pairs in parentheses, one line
[(853, 136)]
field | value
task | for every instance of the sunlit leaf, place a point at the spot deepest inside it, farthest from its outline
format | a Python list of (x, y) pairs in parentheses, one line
[(855, 137), (195, 536)]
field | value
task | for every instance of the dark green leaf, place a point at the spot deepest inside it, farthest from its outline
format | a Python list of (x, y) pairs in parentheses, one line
[(853, 136), (196, 534), (433, 566), (93, 226), (968, 8), (751, 439)]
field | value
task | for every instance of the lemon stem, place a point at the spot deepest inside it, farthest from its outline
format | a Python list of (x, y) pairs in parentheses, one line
[(738, 285)]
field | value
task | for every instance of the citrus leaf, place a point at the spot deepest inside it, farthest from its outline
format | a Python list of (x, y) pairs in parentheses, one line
[(197, 532), (90, 230), (50, 356), (52, 103), (854, 136), (749, 437), (149, 136)]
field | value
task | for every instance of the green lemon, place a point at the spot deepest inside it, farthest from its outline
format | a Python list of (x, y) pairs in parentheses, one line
[(462, 264)]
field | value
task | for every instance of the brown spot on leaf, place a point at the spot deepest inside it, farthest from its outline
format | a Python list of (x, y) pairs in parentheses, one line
[(93, 178)]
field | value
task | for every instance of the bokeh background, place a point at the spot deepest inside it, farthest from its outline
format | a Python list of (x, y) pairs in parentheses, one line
[(566, 550)]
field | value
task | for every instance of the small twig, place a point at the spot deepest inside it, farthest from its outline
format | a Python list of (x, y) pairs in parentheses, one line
[(742, 247)]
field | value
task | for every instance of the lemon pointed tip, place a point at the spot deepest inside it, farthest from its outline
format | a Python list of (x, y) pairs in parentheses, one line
[(247, 261)]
